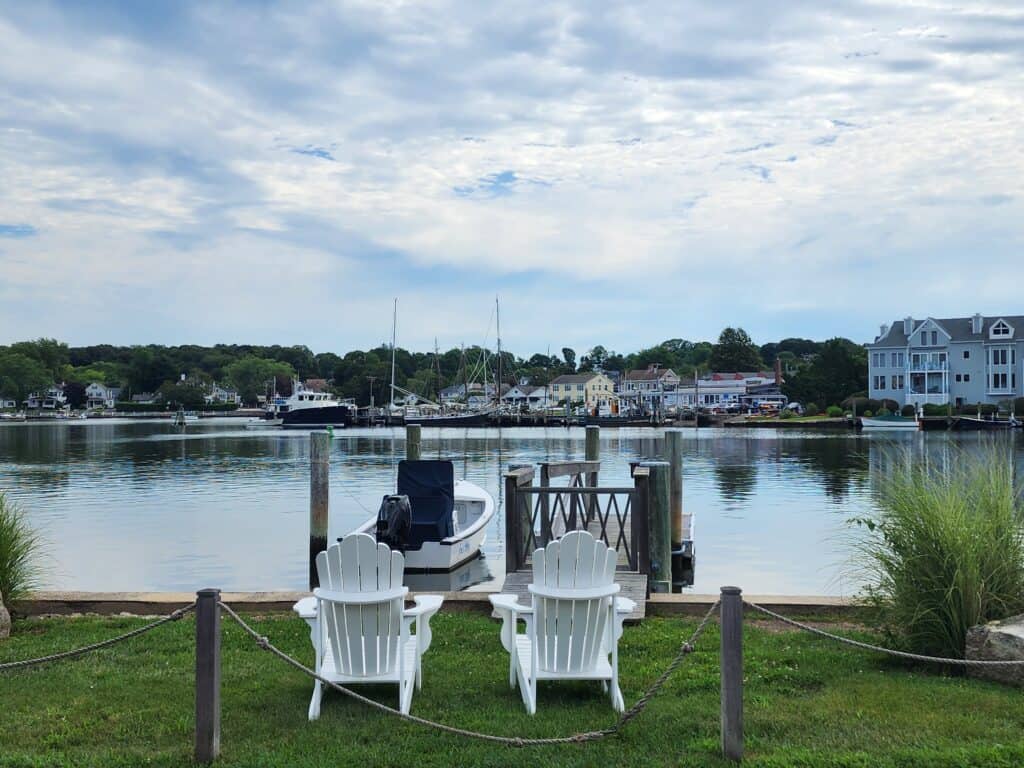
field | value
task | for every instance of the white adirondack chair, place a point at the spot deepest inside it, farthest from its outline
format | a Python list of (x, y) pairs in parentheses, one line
[(574, 623), (359, 625)]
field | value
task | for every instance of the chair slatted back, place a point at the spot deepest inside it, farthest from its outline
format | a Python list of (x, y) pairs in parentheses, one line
[(363, 638), (570, 631)]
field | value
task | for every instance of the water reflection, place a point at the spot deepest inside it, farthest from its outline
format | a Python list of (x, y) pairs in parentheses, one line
[(139, 505)]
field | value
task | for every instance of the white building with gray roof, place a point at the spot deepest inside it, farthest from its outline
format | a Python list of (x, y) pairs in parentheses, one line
[(960, 360)]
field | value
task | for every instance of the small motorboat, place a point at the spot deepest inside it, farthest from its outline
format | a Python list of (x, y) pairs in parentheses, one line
[(889, 422), (978, 424), (447, 521)]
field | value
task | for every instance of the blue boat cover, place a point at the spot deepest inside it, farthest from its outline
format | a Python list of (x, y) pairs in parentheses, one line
[(430, 486)]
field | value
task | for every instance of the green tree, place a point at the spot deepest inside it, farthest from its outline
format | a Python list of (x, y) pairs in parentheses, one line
[(184, 394), (21, 375), (735, 352), (569, 355), (251, 374), (50, 353), (839, 370)]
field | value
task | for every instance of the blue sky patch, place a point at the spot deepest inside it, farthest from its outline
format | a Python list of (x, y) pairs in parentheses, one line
[(17, 231)]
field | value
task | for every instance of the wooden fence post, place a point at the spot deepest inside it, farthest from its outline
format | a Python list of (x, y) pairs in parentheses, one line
[(658, 526), (319, 498), (412, 442), (640, 516), (207, 745), (732, 672), (674, 457), (516, 522), (545, 507)]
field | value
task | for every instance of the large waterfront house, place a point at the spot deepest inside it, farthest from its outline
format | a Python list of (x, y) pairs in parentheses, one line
[(747, 390), (645, 389), (53, 399), (960, 360), (526, 397), (219, 394), (101, 396), (592, 389)]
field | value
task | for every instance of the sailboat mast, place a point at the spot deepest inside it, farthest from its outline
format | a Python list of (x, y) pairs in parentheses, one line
[(497, 385), (394, 330)]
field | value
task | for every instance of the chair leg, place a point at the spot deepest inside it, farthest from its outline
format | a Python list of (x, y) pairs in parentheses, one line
[(616, 695), (314, 704), (419, 673), (512, 671)]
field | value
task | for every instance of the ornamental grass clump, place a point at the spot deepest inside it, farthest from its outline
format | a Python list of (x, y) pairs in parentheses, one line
[(945, 551), (19, 552)]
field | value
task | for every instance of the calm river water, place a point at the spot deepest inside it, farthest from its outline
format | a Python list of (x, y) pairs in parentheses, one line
[(128, 505)]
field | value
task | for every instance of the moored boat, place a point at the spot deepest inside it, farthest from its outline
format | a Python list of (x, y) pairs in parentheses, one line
[(889, 423), (975, 424), (447, 521)]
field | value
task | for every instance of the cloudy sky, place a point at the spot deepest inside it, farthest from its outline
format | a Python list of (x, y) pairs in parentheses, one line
[(618, 173)]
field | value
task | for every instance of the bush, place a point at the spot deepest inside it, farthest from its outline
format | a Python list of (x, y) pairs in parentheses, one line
[(908, 410), (833, 411), (19, 552), (933, 409), (787, 414), (884, 412), (946, 551), (862, 404), (867, 414), (811, 410), (890, 405)]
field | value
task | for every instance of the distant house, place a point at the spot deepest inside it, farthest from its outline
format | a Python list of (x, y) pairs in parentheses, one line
[(526, 396), (101, 396), (653, 379), (743, 389), (53, 399), (144, 398), (591, 389), (457, 392), (219, 394), (6, 403)]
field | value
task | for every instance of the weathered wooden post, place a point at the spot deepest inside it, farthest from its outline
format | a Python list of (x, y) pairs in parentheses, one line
[(517, 515), (731, 612), (319, 498), (674, 457), (593, 453), (207, 745), (659, 528), (545, 506), (412, 442), (638, 520)]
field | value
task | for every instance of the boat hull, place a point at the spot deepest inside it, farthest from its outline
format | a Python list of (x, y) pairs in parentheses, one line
[(469, 420), (901, 425), (312, 418), (968, 424), (453, 551)]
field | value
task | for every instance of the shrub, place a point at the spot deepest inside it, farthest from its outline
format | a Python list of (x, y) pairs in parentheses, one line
[(19, 552), (811, 410), (908, 410), (867, 414), (862, 404), (883, 411), (833, 411), (946, 551), (933, 409), (787, 414), (890, 405)]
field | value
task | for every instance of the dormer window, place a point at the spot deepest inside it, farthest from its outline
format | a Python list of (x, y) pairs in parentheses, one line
[(1001, 329)]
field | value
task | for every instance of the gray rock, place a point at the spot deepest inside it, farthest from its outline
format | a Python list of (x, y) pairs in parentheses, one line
[(5, 620), (997, 641)]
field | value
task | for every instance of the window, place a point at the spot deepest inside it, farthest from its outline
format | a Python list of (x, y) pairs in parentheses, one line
[(959, 377), (935, 338), (924, 338), (967, 354), (967, 378), (1000, 329), (879, 382), (897, 382)]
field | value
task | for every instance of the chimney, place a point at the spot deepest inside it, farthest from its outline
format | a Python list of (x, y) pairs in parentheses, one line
[(778, 372), (908, 326), (884, 329), (976, 324)]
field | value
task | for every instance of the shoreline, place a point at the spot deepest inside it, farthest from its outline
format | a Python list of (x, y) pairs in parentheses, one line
[(65, 603)]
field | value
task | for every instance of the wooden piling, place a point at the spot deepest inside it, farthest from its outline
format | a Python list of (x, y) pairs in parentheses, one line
[(207, 735), (674, 457), (412, 442), (731, 613), (593, 453), (659, 528), (319, 498)]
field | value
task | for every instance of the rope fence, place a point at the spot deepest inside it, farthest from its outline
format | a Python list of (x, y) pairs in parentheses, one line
[(173, 616)]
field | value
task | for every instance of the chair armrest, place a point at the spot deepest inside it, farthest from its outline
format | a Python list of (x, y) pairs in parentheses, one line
[(509, 609), (426, 606), (624, 605), (360, 598), (305, 608)]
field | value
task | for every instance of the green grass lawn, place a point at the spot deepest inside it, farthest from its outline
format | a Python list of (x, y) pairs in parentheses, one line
[(808, 703)]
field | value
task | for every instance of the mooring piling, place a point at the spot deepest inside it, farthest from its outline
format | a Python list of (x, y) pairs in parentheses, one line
[(659, 528), (319, 498), (674, 457), (412, 442)]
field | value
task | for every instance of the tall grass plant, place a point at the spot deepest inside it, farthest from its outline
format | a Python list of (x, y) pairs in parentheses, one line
[(19, 552), (945, 551)]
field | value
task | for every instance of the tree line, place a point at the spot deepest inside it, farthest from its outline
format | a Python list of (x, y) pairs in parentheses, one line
[(820, 372)]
